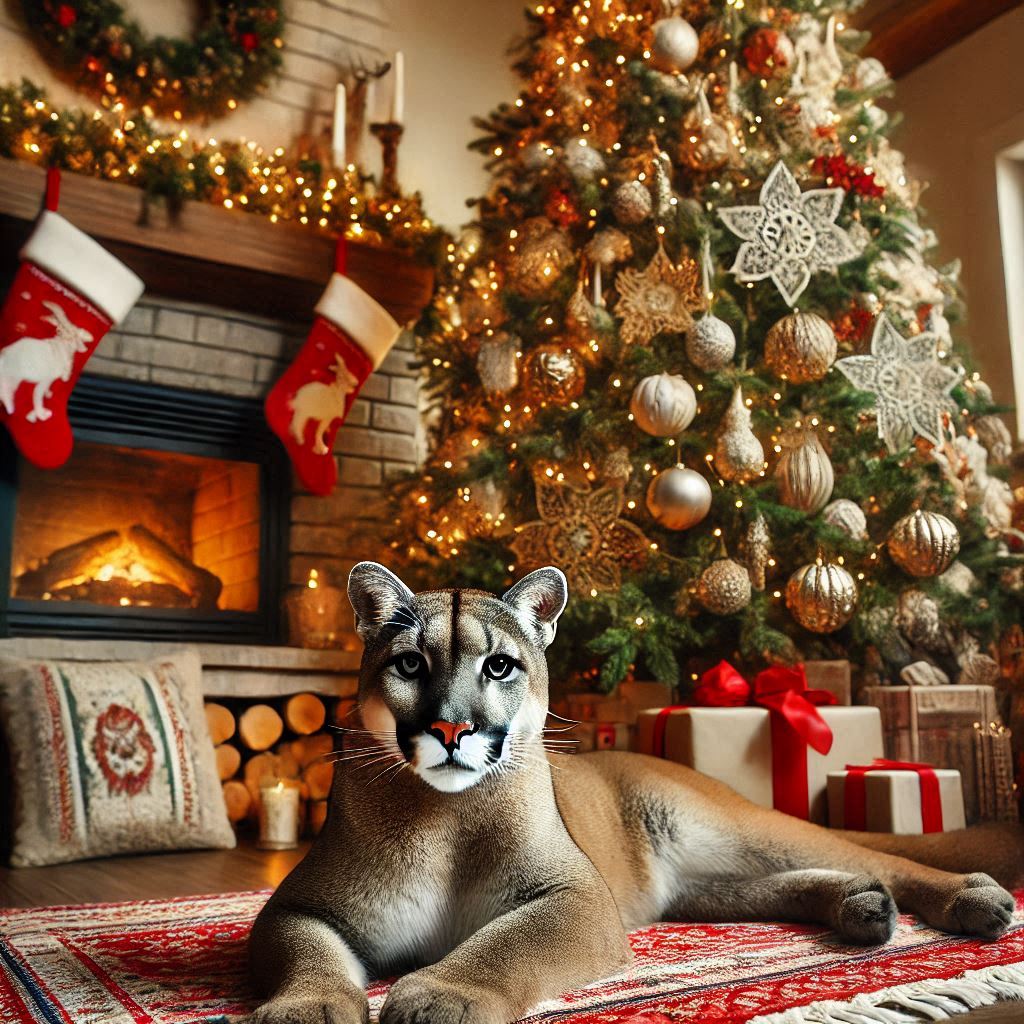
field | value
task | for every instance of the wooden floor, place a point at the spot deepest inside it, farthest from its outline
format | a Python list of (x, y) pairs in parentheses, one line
[(156, 876), (148, 877)]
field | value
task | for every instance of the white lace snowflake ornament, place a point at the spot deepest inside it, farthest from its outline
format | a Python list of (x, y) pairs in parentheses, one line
[(910, 385), (790, 235)]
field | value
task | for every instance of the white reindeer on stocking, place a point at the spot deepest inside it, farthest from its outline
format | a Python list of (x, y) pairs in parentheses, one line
[(323, 403), (41, 361)]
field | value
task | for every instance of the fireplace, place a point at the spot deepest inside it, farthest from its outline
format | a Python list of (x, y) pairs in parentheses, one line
[(168, 521)]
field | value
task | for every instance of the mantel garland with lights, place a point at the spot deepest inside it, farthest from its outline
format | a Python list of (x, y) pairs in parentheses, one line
[(108, 55), (662, 359), (177, 166)]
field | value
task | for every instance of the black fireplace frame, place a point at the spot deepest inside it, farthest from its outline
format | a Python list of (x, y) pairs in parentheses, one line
[(136, 414)]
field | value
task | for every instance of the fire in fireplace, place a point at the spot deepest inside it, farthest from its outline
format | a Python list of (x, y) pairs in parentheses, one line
[(167, 519), (120, 526)]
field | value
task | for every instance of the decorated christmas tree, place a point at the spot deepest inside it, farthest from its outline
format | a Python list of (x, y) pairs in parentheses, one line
[(693, 352)]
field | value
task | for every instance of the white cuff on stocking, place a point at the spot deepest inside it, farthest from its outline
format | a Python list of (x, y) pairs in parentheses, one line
[(364, 319), (80, 262)]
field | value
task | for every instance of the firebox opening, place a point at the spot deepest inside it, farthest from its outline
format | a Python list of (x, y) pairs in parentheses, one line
[(138, 527)]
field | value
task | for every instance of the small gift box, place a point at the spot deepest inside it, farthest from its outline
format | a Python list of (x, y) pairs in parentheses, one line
[(601, 736), (902, 797), (777, 753), (833, 676)]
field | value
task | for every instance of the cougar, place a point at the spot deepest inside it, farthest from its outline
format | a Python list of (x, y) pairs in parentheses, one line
[(492, 874)]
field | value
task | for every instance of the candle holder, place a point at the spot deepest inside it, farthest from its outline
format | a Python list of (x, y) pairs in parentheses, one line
[(389, 134), (279, 816), (316, 613)]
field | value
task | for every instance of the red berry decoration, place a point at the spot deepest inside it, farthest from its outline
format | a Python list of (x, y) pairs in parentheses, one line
[(249, 41), (766, 51), (66, 15), (839, 171), (561, 208)]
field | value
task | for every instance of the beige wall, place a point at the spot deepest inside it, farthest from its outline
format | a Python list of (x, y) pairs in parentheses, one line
[(961, 110), (456, 68)]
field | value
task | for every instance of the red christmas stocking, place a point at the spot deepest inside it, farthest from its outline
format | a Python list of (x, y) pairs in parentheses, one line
[(350, 337), (68, 292)]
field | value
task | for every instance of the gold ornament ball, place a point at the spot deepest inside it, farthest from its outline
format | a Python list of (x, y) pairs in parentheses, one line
[(678, 498), (554, 373), (710, 344), (821, 596), (663, 405), (675, 45), (632, 203), (724, 587), (804, 475), (924, 543), (542, 253), (800, 348)]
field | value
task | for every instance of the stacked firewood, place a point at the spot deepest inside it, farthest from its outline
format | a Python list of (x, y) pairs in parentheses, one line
[(290, 739)]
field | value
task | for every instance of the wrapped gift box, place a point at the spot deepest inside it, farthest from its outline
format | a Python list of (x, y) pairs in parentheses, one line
[(621, 706), (734, 745), (957, 727), (601, 736), (833, 676), (893, 801)]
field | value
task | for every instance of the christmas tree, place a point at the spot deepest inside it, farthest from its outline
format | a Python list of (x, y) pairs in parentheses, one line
[(693, 352)]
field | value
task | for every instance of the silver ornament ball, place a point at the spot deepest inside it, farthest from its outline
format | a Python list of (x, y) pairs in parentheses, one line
[(632, 203), (663, 405), (710, 344), (847, 516), (675, 45), (678, 498)]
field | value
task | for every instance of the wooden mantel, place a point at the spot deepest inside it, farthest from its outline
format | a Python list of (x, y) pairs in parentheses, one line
[(206, 253)]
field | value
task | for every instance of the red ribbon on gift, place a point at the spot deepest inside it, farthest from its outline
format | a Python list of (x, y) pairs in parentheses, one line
[(796, 723), (855, 793)]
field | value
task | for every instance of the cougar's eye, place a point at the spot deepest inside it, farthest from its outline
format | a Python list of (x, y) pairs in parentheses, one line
[(410, 666), (498, 666)]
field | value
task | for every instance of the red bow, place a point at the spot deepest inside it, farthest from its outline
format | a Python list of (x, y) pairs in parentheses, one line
[(785, 691), (855, 793)]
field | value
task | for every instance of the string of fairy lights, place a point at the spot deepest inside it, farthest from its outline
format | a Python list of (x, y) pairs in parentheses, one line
[(299, 185)]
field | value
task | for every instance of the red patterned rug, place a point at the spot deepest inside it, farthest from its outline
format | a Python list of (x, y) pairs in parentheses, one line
[(182, 961)]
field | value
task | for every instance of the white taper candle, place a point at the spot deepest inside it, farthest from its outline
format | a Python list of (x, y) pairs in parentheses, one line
[(338, 138)]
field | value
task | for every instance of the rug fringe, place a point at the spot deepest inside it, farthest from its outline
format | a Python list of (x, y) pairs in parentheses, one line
[(935, 999)]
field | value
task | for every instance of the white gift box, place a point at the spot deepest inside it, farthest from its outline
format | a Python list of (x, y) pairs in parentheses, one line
[(892, 800)]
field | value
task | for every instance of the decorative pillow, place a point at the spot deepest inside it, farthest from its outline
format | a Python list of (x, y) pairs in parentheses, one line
[(109, 758)]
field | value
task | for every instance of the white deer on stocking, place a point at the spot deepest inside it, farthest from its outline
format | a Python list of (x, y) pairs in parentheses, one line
[(41, 361), (323, 403)]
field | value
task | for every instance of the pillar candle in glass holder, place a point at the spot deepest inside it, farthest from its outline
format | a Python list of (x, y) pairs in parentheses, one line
[(316, 613), (279, 816)]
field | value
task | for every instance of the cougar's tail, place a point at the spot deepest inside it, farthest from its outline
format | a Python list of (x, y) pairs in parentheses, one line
[(996, 849)]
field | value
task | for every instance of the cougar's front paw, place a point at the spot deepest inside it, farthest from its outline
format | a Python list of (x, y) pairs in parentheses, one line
[(867, 912), (982, 907), (425, 1000), (308, 1010)]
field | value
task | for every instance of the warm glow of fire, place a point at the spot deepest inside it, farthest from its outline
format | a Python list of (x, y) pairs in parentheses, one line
[(314, 579), (125, 565)]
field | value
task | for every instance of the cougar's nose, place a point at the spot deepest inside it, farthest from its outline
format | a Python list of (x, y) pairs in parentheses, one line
[(449, 734)]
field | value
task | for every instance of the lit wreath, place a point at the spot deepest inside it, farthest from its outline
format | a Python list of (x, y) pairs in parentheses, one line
[(235, 51)]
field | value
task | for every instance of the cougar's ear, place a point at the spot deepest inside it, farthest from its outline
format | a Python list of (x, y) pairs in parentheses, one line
[(375, 593), (537, 600)]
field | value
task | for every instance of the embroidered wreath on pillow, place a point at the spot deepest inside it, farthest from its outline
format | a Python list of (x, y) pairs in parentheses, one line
[(234, 52)]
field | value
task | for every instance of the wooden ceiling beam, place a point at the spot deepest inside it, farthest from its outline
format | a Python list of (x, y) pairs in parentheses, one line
[(906, 33)]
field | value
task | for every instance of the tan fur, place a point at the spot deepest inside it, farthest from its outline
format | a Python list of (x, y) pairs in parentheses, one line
[(494, 874)]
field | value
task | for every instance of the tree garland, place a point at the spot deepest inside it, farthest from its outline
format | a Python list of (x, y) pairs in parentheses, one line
[(230, 58)]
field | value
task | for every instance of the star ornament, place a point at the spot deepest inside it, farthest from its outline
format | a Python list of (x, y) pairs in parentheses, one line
[(582, 532), (790, 235), (911, 387), (657, 298)]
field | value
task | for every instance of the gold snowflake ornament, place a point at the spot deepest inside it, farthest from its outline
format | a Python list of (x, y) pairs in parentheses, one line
[(582, 533), (657, 298)]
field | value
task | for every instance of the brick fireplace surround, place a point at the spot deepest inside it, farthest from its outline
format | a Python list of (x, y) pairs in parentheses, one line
[(206, 348)]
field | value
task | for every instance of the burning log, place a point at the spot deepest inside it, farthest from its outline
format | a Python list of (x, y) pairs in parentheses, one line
[(83, 559), (203, 587)]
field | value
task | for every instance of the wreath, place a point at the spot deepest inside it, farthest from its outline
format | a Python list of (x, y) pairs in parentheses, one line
[(229, 59)]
